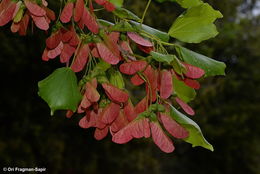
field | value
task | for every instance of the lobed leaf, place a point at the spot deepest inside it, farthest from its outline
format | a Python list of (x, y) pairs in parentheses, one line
[(60, 90), (196, 24)]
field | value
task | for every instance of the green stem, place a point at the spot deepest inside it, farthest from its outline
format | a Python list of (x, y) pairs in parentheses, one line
[(146, 8), (156, 39), (76, 52)]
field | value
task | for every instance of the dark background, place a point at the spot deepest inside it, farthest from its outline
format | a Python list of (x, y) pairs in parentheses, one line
[(227, 108)]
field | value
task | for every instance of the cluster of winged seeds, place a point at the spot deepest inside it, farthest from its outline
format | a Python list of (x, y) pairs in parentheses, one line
[(101, 52)]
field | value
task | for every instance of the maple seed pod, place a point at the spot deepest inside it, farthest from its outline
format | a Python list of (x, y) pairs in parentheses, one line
[(110, 113), (160, 138), (6, 11), (107, 55), (193, 72), (34, 8), (139, 40), (79, 8), (185, 106), (166, 86), (81, 58), (115, 94), (133, 67), (173, 127), (40, 22), (67, 12), (54, 40)]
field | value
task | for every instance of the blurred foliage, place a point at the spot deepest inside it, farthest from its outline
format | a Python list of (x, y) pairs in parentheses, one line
[(227, 107)]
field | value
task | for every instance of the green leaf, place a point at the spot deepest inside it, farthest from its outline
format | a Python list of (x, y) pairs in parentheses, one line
[(117, 3), (125, 14), (183, 91), (195, 137), (196, 24), (210, 66), (60, 90), (166, 58), (159, 34), (185, 3)]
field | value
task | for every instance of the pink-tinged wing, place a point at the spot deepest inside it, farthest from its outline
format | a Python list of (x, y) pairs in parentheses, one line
[(15, 27), (100, 133), (133, 67), (40, 22), (66, 53), (110, 113), (109, 6), (91, 93), (185, 106), (126, 47), (4, 4), (146, 128), (67, 12), (6, 14), (79, 7), (45, 55), (137, 128), (111, 41), (80, 110), (151, 76), (120, 122), (123, 136), (101, 2), (85, 103), (192, 83), (99, 123), (166, 87), (66, 36), (161, 139), (106, 54), (129, 111), (89, 120), (69, 113), (54, 40), (50, 14), (81, 21), (139, 40), (34, 8), (114, 36), (137, 80), (141, 106), (94, 52), (145, 49), (81, 58), (56, 51), (24, 24), (193, 72), (173, 127), (126, 50), (90, 21), (115, 94), (74, 41)]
